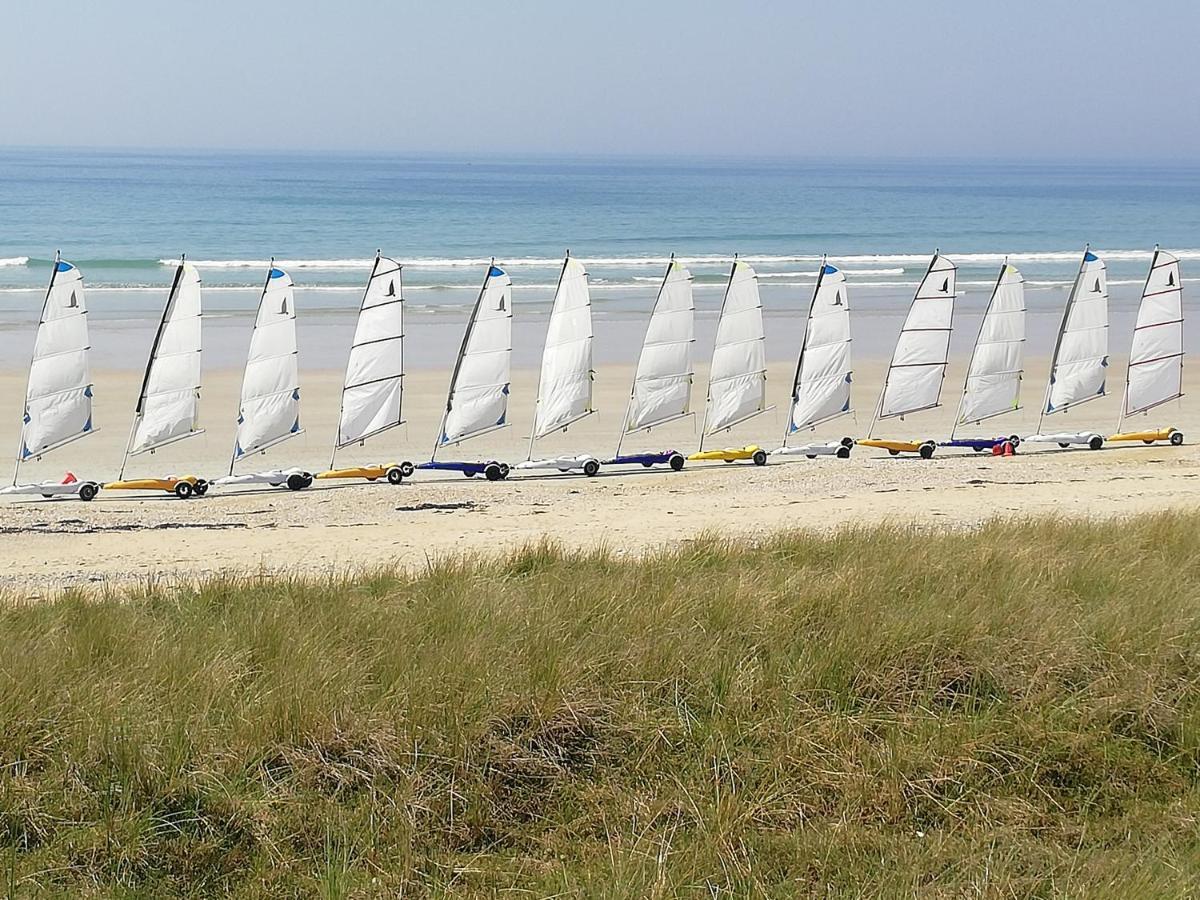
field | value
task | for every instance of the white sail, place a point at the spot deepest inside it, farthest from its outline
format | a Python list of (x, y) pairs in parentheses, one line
[(993, 384), (821, 390), (737, 380), (914, 378), (168, 406), (662, 386), (478, 399), (1156, 358), (1081, 353), (374, 385), (58, 399), (565, 385), (270, 403)]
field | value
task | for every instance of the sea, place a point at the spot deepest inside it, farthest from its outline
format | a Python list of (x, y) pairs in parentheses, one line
[(124, 217)]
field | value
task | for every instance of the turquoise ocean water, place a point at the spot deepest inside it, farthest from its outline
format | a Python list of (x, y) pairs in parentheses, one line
[(121, 216)]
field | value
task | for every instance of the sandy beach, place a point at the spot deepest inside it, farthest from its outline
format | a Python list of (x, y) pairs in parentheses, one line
[(339, 526)]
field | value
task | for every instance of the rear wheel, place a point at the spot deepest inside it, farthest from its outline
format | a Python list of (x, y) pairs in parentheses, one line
[(977, 449), (814, 456), (590, 468), (1147, 442), (760, 457), (676, 462), (87, 492), (296, 483), (1063, 445), (493, 472), (1176, 438), (893, 452), (647, 465), (201, 488), (926, 451), (395, 475), (1095, 442), (847, 442), (843, 452), (407, 469), (183, 490)]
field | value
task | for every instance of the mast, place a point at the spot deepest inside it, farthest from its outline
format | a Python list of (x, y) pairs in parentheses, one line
[(812, 303), (538, 403), (462, 352)]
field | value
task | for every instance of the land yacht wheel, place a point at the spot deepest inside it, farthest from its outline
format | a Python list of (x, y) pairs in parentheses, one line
[(183, 490), (676, 462), (591, 467), (87, 492), (893, 452), (1147, 442), (201, 488), (843, 452), (1063, 445), (395, 475), (296, 483), (847, 442), (1176, 438), (810, 455), (926, 451), (1095, 442), (407, 469), (493, 472), (760, 457)]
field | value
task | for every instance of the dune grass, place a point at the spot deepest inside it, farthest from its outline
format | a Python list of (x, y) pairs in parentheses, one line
[(1013, 711)]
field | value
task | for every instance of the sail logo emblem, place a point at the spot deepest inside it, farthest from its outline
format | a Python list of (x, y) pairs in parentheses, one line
[(283, 307), (946, 286), (500, 305), (1170, 279), (74, 302), (391, 291), (837, 299), (1096, 287)]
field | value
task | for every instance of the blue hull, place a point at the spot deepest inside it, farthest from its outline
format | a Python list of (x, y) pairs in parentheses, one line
[(662, 458), (976, 444), (466, 468)]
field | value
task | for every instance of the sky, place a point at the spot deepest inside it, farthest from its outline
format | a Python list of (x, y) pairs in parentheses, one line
[(1018, 79)]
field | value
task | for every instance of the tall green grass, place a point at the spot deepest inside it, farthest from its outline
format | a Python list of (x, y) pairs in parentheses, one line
[(1013, 711)]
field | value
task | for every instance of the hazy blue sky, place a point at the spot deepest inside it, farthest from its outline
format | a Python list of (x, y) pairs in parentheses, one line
[(1000, 79)]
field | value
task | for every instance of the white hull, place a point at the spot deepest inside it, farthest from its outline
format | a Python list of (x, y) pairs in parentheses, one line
[(583, 462), (824, 448), (53, 489), (273, 477), (1069, 438)]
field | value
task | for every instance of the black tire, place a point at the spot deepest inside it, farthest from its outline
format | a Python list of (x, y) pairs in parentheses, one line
[(977, 449), (814, 456), (676, 462), (493, 472), (847, 442), (504, 470), (395, 475), (1176, 438), (843, 452), (727, 460), (1095, 442), (407, 469), (760, 457), (201, 488), (87, 492), (1015, 440), (1064, 446), (295, 483), (893, 452), (591, 467), (48, 496), (1147, 442), (183, 490), (469, 474), (647, 465), (926, 451)]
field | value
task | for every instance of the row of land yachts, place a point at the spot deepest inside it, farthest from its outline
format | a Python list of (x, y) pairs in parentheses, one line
[(58, 402)]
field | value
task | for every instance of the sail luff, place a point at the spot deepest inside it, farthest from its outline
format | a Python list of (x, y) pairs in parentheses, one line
[(373, 386), (1154, 374)]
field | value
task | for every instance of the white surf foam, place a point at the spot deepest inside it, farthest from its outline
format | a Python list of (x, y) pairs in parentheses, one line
[(14, 261)]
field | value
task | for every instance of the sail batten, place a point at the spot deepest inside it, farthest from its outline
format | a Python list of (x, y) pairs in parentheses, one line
[(566, 378), (1155, 372), (662, 383), (269, 411), (993, 383), (478, 398), (373, 388), (821, 388), (168, 405), (58, 396), (918, 366), (1080, 360)]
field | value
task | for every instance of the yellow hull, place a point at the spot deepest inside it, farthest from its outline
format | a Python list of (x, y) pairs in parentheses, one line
[(1148, 437), (368, 472), (729, 454), (896, 446), (151, 484)]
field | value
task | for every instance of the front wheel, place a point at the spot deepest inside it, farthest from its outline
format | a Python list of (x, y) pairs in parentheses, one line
[(395, 475), (493, 472), (201, 488), (676, 462), (1063, 445), (843, 453), (1095, 442), (296, 483), (1147, 442), (926, 451), (760, 457), (1176, 438), (814, 456), (590, 468), (407, 469), (183, 490), (893, 453), (87, 492)]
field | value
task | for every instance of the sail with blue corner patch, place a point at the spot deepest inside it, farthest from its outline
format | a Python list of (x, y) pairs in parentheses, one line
[(1080, 364), (478, 397), (821, 389)]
